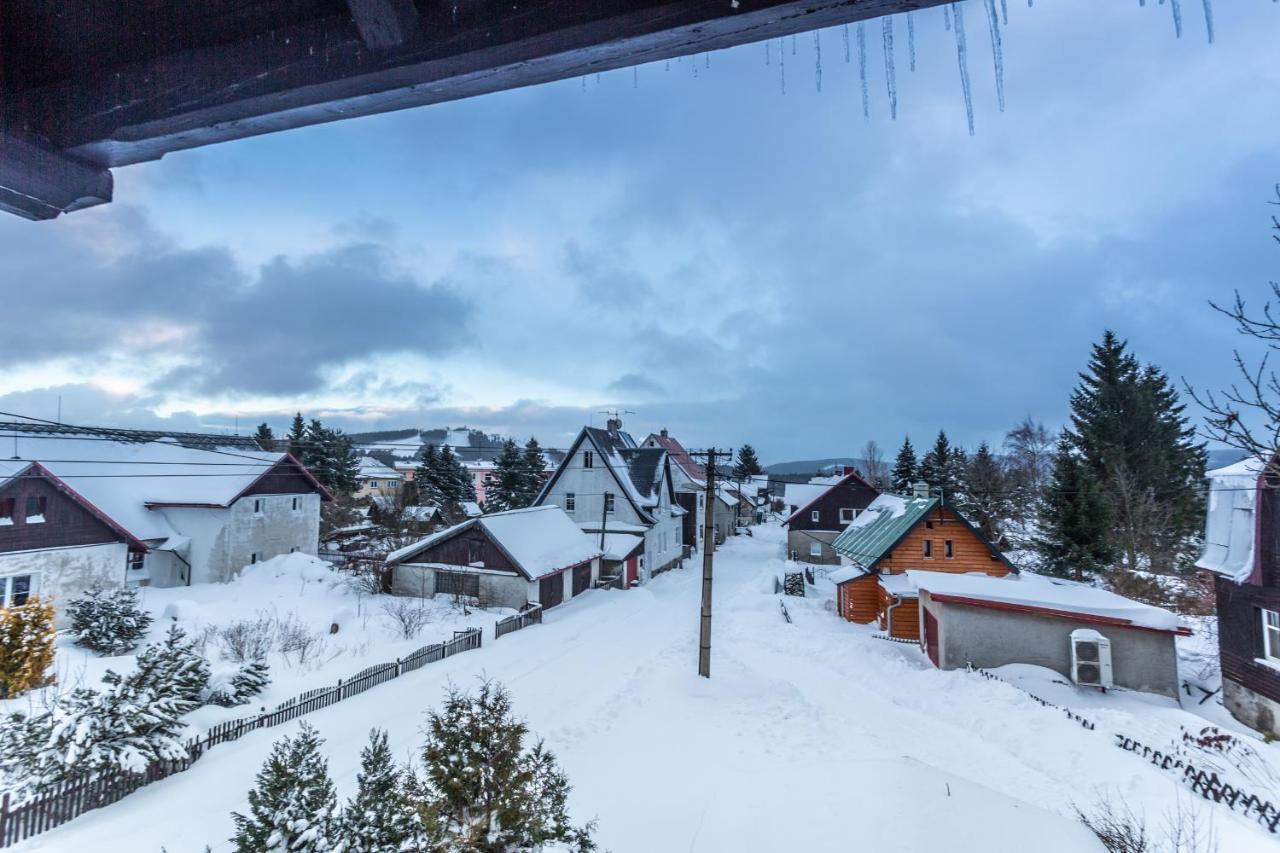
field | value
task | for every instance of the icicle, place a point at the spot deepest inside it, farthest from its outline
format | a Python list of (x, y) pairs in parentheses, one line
[(946, 17), (793, 45), (962, 52), (997, 51), (845, 31), (1208, 18), (1176, 5), (667, 66), (911, 39), (1004, 13), (890, 76), (862, 70), (766, 53), (817, 59), (782, 66), (706, 58)]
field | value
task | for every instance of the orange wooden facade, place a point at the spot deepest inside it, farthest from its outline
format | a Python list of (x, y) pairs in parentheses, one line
[(953, 547)]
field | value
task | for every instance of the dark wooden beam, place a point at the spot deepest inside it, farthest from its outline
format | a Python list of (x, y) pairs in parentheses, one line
[(323, 70), (37, 182), (384, 24)]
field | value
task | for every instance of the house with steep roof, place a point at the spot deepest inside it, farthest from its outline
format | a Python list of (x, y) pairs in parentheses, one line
[(79, 509), (820, 511), (526, 556), (1242, 553), (690, 481), (376, 480), (609, 484)]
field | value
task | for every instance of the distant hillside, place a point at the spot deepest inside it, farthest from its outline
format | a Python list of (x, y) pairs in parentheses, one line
[(814, 466), (471, 445)]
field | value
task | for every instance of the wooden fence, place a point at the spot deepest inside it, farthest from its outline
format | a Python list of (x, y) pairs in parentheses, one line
[(75, 796), (532, 616)]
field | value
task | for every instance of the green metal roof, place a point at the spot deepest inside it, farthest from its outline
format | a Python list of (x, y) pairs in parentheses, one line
[(866, 542)]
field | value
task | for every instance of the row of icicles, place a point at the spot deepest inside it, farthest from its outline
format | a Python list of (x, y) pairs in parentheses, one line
[(953, 21)]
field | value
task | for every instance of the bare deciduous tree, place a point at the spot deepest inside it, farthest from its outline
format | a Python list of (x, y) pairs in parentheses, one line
[(877, 473)]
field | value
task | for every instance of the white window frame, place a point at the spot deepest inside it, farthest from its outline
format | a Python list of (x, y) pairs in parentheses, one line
[(815, 549), (7, 582), (847, 514), (610, 502), (815, 516), (570, 502), (588, 459), (1270, 635), (38, 517)]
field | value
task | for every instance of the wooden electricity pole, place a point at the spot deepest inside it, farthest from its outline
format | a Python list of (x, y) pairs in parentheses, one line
[(708, 553)]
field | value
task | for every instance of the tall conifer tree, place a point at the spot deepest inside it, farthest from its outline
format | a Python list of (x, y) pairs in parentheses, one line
[(905, 468)]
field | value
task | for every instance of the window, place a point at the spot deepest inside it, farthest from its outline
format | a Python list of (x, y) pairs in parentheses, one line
[(297, 504), (815, 549), (608, 502), (137, 560), (257, 506), (928, 548), (6, 511), (254, 557), (293, 549), (475, 552), (16, 589), (1271, 635), (457, 583), (951, 554), (570, 501), (588, 459), (815, 516), (373, 484), (35, 509), (847, 514), (929, 524)]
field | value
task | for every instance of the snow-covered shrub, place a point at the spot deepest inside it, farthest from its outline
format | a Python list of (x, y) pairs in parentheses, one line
[(293, 805), (407, 617), (247, 639), (482, 790), (238, 687), (1117, 826), (295, 638), (174, 668), (381, 817), (108, 621), (27, 638)]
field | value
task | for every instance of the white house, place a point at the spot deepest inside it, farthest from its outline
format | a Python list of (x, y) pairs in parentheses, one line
[(377, 480), (690, 482), (607, 484), (83, 506), (505, 559)]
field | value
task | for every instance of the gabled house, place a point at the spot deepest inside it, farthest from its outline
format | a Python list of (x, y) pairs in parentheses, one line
[(1242, 552), (376, 480), (80, 508), (505, 559), (893, 536), (608, 484), (819, 512), (690, 481)]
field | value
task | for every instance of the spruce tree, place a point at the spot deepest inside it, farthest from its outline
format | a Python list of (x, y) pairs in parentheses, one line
[(27, 639), (534, 466), (292, 806), (941, 467), (747, 464), (427, 477), (381, 817), (905, 468), (108, 621), (507, 487), (297, 438), (174, 667), (265, 437), (1073, 537), (482, 790), (986, 500)]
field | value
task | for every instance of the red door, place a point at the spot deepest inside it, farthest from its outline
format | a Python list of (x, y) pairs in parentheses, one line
[(931, 637), (633, 571), (551, 591)]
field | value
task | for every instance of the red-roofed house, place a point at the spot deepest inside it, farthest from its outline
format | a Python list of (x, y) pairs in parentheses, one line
[(690, 481)]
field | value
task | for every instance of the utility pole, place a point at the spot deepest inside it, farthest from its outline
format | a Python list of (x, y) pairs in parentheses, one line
[(708, 553)]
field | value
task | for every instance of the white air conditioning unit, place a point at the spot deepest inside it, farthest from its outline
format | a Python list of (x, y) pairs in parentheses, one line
[(1090, 658)]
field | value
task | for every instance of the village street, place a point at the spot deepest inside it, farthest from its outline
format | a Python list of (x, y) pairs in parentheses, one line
[(806, 736)]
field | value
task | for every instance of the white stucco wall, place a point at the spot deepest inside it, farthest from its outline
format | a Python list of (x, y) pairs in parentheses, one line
[(64, 573)]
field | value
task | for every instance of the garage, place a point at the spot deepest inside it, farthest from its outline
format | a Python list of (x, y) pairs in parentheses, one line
[(551, 590), (581, 579)]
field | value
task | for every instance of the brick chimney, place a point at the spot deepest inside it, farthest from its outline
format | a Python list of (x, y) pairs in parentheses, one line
[(663, 432)]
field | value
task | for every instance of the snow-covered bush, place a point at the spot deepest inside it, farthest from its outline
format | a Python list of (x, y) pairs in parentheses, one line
[(27, 638), (173, 667), (407, 617), (381, 817), (238, 687), (482, 790), (293, 805), (247, 639), (108, 621), (295, 638)]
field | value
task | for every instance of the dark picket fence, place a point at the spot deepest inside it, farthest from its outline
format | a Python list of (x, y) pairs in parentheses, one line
[(1071, 715), (532, 616), (1207, 784), (75, 796)]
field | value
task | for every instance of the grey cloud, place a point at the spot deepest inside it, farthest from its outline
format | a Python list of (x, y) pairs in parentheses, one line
[(637, 384)]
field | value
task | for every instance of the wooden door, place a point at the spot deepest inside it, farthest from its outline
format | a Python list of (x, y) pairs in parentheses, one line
[(931, 637), (581, 579), (633, 571), (551, 591)]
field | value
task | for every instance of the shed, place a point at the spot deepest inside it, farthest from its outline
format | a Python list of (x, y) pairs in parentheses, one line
[(982, 621), (507, 559)]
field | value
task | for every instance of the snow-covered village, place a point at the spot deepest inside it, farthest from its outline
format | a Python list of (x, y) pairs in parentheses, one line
[(639, 426)]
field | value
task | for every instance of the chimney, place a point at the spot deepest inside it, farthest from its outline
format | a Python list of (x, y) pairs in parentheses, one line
[(613, 425), (847, 470), (663, 433), (919, 489)]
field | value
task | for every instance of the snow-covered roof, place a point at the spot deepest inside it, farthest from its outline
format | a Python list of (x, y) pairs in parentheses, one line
[(900, 585), (1231, 524), (880, 526), (726, 494), (807, 493), (639, 471), (691, 471), (372, 469), (619, 546), (421, 512), (471, 508), (540, 540), (1046, 595), (124, 480)]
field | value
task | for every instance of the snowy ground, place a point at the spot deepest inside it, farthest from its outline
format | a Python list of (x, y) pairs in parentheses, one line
[(811, 736)]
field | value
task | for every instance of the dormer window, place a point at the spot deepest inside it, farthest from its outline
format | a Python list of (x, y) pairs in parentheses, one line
[(35, 509), (6, 511), (588, 459)]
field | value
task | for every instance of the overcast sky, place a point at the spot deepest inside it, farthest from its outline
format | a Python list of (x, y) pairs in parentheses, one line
[(690, 243)]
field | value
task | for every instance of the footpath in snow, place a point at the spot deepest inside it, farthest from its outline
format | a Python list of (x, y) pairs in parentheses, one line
[(809, 736)]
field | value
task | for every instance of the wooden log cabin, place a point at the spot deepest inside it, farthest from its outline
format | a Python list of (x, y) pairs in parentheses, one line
[(896, 535)]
